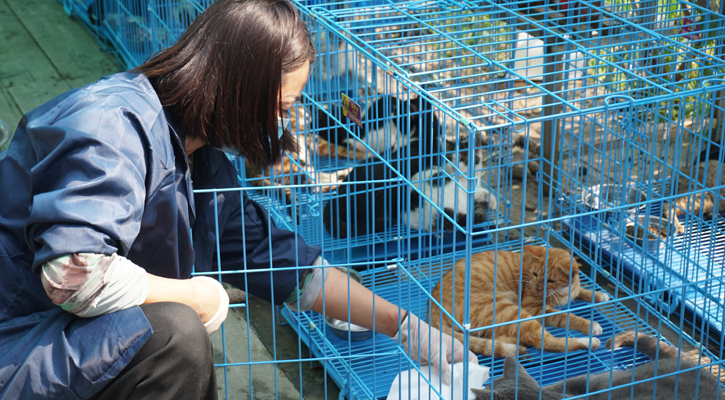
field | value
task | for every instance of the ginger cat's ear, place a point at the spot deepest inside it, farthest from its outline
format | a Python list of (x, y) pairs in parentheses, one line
[(538, 251), (531, 259)]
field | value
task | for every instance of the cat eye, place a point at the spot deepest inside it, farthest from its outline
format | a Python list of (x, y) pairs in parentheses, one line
[(551, 281)]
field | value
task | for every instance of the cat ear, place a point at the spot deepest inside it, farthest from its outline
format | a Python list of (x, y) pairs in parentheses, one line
[(511, 369), (538, 251), (530, 259), (510, 366), (482, 394)]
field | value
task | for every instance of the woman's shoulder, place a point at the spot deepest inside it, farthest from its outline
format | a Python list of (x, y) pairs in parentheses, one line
[(127, 83), (122, 95), (121, 111)]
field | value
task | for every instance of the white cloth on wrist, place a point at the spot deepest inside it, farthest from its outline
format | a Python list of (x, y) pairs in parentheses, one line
[(304, 297), (89, 285)]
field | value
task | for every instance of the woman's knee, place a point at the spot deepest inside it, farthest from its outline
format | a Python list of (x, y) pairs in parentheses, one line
[(178, 330)]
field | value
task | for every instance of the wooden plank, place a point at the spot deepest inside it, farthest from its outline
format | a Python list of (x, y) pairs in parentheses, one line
[(71, 49), (9, 111), (26, 74)]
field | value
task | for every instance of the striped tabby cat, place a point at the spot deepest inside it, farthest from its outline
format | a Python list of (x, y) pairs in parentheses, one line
[(539, 278), (707, 176)]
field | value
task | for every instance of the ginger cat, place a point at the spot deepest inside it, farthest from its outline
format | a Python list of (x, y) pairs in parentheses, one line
[(537, 274)]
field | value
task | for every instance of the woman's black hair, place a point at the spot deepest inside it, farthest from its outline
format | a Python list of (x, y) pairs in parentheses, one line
[(222, 79)]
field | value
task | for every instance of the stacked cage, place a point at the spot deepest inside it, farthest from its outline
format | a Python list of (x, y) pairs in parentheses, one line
[(134, 30), (433, 131), (582, 116)]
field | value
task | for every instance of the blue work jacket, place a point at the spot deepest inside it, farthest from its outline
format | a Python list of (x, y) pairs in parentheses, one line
[(102, 169)]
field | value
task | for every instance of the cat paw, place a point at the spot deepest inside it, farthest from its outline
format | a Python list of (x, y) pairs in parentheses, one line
[(601, 297), (591, 343), (597, 329), (485, 203), (448, 225)]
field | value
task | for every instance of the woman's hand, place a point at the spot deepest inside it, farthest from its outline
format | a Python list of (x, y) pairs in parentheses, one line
[(429, 346), (214, 321), (425, 344), (204, 295)]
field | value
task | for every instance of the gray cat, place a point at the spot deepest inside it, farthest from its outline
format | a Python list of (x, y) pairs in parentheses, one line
[(699, 380)]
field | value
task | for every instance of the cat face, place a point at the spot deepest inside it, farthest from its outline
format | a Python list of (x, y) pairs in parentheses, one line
[(557, 277), (462, 154)]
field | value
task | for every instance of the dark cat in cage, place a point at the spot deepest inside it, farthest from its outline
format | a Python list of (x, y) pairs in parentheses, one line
[(411, 143)]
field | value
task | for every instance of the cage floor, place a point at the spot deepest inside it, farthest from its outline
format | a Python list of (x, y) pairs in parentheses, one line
[(366, 369), (683, 274)]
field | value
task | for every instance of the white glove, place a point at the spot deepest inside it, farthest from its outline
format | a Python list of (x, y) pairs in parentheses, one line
[(426, 344), (221, 314)]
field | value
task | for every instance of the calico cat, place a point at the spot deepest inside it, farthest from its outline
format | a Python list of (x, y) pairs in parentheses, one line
[(371, 198), (555, 279), (295, 167), (706, 171), (516, 383), (381, 132)]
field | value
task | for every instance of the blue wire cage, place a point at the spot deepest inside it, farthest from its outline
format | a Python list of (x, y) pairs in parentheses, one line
[(580, 121)]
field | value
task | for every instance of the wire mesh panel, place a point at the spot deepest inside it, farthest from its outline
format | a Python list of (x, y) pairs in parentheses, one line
[(572, 102), (441, 141), (138, 29)]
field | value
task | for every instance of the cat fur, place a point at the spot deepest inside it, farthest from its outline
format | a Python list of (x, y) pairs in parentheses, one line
[(505, 269), (704, 202), (410, 138), (295, 167), (516, 383)]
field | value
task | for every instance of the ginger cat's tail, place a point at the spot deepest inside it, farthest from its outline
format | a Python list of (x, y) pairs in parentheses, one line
[(645, 343), (479, 345)]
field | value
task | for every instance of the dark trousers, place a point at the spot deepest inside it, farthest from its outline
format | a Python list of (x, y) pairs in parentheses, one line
[(175, 363)]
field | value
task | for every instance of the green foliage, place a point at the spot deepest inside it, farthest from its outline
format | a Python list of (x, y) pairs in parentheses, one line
[(642, 69), (466, 35)]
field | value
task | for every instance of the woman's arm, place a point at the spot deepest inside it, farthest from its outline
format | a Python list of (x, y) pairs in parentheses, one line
[(424, 343), (89, 285), (199, 294), (365, 308)]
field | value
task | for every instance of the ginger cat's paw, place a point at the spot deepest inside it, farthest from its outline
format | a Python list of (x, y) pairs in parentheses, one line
[(510, 350), (596, 329), (595, 342), (601, 297)]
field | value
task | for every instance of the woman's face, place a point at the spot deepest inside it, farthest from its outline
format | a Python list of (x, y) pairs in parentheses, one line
[(292, 85)]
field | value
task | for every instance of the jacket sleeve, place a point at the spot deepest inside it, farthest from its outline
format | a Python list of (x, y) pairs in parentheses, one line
[(88, 189), (256, 255), (271, 260)]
